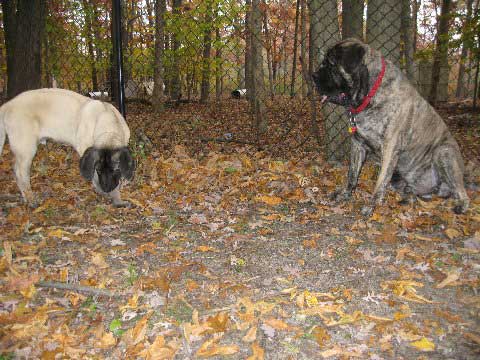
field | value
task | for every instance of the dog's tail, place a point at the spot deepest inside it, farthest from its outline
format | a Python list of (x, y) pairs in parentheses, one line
[(3, 130)]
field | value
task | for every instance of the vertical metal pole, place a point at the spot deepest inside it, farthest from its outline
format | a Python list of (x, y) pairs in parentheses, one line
[(118, 53)]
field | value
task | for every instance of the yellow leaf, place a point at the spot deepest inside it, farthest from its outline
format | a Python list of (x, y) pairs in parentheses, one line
[(269, 200), (251, 335), (258, 352), (406, 290), (58, 233), (423, 344), (310, 299), (29, 292)]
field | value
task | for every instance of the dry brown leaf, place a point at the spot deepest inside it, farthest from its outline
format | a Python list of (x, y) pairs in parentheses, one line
[(269, 200), (321, 336), (278, 324), (452, 276), (212, 348), (106, 341), (251, 335), (159, 350), (258, 352), (452, 233), (99, 260)]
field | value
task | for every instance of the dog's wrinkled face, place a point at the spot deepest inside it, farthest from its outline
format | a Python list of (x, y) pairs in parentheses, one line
[(342, 77), (110, 166)]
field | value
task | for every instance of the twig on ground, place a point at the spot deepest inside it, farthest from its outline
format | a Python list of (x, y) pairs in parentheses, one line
[(81, 288)]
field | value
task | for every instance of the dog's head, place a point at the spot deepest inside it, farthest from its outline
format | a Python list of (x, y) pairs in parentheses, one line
[(342, 77), (110, 165)]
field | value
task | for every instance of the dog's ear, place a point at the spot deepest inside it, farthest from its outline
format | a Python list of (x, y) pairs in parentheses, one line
[(87, 162), (349, 55), (125, 162)]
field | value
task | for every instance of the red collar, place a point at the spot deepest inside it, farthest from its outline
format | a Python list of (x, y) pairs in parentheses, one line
[(371, 93)]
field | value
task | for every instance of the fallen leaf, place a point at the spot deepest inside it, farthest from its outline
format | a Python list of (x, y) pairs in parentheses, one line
[(251, 335), (452, 276), (99, 260), (423, 344), (321, 336), (258, 352), (452, 233), (269, 200), (212, 348)]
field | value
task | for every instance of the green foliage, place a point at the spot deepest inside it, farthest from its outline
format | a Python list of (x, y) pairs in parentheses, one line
[(116, 327)]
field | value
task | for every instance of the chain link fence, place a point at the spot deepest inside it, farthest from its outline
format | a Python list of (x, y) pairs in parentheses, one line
[(217, 50)]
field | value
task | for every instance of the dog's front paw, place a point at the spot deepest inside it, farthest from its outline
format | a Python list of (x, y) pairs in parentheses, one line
[(341, 195), (461, 206), (122, 204)]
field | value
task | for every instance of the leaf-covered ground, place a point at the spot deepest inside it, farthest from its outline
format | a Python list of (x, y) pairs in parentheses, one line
[(231, 251)]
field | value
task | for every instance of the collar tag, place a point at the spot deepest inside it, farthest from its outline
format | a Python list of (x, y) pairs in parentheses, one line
[(352, 129)]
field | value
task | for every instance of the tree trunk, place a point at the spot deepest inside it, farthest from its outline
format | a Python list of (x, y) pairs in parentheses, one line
[(407, 37), (97, 29), (248, 50), (415, 9), (295, 46), (157, 95), (268, 45), (176, 83), (460, 92), (218, 67), (88, 12), (441, 51), (257, 100), (352, 19), (324, 32), (383, 27), (24, 23), (303, 43), (207, 47)]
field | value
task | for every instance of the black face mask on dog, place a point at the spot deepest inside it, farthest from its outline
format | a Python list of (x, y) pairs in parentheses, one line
[(342, 77), (110, 166)]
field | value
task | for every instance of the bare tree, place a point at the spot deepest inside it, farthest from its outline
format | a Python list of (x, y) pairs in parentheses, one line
[(407, 38), (88, 12), (352, 18), (440, 58), (158, 83), (324, 32), (460, 92), (303, 41), (24, 23), (175, 84), (295, 47), (257, 98)]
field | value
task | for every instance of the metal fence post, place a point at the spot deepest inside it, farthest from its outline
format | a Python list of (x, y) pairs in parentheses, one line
[(118, 53)]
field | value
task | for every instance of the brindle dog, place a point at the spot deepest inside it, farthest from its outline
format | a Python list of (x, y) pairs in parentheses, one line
[(394, 124)]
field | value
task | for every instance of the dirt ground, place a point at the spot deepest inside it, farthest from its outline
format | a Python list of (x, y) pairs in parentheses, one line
[(235, 251)]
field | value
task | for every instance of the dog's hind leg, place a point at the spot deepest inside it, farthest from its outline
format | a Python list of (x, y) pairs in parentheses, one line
[(3, 133), (24, 150), (449, 164)]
